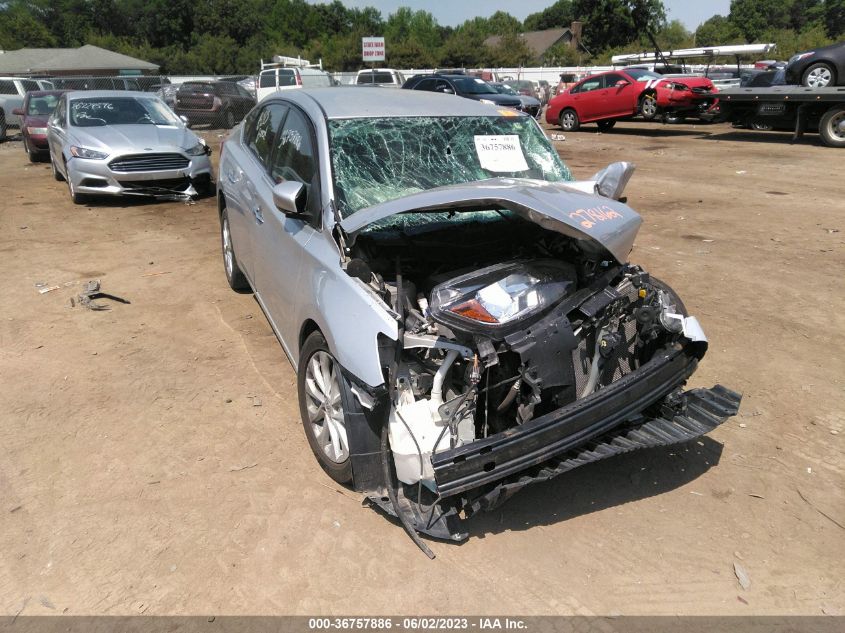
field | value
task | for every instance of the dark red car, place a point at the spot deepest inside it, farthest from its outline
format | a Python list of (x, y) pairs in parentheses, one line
[(623, 94), (36, 109)]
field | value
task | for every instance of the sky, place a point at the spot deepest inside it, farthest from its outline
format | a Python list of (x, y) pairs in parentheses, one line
[(450, 13)]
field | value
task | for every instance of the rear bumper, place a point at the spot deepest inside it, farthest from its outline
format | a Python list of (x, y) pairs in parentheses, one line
[(628, 401), (200, 117)]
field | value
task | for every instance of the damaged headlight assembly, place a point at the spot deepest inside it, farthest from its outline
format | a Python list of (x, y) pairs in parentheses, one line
[(491, 299), (199, 149)]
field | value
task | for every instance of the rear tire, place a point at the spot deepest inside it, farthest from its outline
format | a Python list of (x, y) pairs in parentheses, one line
[(237, 280), (569, 120), (818, 75), (606, 126), (648, 106), (321, 408), (229, 120), (832, 127)]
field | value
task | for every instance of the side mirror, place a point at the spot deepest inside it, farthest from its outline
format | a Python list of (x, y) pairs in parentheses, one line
[(621, 83), (18, 111), (289, 197), (612, 180)]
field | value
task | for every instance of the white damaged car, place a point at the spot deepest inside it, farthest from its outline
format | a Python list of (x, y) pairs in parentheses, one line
[(460, 312)]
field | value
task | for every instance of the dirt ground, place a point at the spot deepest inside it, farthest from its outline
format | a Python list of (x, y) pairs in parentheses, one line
[(152, 459)]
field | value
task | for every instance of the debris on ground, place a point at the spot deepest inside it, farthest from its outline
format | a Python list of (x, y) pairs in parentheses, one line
[(235, 469), (742, 576), (558, 137), (156, 274), (92, 291), (46, 289)]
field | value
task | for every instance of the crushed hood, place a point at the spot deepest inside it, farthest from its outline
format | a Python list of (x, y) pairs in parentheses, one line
[(555, 206)]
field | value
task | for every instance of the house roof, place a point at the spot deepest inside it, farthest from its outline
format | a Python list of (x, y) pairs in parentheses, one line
[(538, 42), (85, 59)]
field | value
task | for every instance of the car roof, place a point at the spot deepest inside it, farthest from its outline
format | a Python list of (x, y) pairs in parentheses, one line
[(98, 94), (351, 102)]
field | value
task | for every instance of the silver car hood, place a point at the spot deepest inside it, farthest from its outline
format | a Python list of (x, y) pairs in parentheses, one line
[(120, 139), (559, 207)]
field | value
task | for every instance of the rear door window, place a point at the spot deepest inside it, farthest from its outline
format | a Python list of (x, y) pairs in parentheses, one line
[(261, 136)]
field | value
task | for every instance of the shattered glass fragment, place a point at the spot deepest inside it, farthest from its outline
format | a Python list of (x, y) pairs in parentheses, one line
[(377, 160)]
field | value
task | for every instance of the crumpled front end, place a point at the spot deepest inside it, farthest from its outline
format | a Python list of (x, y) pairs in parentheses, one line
[(526, 349)]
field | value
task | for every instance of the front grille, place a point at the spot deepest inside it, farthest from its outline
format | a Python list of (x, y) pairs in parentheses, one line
[(149, 162)]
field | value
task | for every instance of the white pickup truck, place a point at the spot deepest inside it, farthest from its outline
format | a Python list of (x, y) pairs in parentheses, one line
[(12, 91)]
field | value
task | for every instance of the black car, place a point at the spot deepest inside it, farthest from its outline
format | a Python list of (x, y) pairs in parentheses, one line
[(818, 68), (463, 86), (222, 103)]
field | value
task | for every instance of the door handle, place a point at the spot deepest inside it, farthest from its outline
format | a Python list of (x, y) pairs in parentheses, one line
[(256, 211)]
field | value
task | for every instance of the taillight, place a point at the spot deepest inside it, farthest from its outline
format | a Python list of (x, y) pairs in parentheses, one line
[(217, 103), (298, 80)]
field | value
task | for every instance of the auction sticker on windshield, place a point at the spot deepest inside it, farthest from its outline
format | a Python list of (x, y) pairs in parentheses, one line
[(501, 154)]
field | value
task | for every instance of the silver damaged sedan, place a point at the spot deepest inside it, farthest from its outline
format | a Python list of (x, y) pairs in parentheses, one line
[(460, 311), (125, 143)]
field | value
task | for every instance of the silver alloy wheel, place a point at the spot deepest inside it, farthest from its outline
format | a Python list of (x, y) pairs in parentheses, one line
[(819, 77), (228, 254), (325, 411), (837, 125), (567, 120), (649, 106)]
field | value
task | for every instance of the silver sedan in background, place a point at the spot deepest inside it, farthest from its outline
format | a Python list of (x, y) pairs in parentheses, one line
[(125, 143)]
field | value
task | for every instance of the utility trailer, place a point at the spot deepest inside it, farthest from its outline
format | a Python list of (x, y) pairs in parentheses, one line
[(795, 108)]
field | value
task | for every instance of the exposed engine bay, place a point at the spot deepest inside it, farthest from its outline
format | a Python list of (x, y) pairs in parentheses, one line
[(502, 322)]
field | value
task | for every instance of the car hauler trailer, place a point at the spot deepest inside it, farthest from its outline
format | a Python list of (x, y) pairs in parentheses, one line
[(787, 107)]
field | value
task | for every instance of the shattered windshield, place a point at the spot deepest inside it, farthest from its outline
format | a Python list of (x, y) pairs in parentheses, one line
[(377, 160)]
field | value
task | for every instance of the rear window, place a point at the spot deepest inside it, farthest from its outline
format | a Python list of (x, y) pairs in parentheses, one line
[(267, 79), (375, 78), (42, 106), (196, 87)]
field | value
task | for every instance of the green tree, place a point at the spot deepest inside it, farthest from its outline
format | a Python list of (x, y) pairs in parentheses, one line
[(753, 17), (612, 23), (19, 28), (834, 18), (717, 31), (510, 52), (558, 15)]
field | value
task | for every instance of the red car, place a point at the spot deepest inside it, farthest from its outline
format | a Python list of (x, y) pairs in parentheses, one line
[(36, 109), (622, 94)]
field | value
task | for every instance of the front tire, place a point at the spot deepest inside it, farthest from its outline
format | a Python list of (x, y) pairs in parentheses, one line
[(57, 175), (648, 106), (321, 389), (237, 280), (832, 127), (77, 198), (569, 120), (818, 76)]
